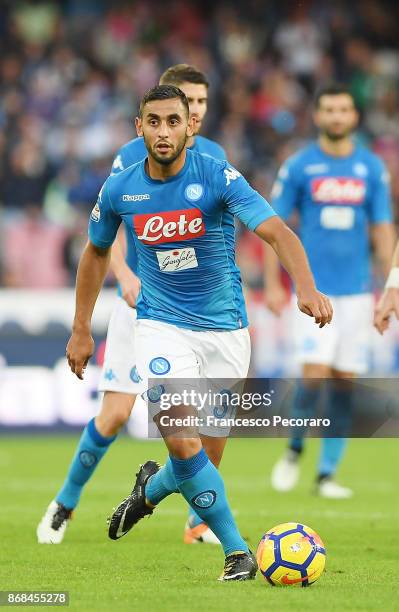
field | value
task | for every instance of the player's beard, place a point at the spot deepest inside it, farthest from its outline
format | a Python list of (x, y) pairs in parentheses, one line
[(169, 160), (337, 136)]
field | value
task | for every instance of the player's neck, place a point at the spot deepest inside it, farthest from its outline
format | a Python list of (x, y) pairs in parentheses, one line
[(161, 172), (336, 148)]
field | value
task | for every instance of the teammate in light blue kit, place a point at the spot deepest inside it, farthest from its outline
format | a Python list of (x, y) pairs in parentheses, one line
[(119, 379), (191, 314), (341, 192)]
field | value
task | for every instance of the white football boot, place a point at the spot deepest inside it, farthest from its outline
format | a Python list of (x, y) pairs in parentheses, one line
[(200, 534), (285, 473), (330, 489), (51, 528)]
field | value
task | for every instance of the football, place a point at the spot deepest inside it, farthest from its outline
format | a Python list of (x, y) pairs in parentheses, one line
[(291, 554)]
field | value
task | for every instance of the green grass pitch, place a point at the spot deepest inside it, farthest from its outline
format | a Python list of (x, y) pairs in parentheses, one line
[(151, 569)]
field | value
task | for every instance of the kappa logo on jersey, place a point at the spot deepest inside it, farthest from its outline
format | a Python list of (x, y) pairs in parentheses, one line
[(118, 164), (231, 174), (128, 197), (170, 226), (340, 190)]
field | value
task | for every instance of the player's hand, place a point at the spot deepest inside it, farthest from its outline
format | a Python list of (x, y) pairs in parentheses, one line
[(387, 305), (130, 288), (316, 305), (276, 299), (79, 350)]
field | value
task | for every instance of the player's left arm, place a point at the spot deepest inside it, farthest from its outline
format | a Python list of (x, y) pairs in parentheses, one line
[(383, 238), (257, 214), (291, 253), (379, 208), (388, 303)]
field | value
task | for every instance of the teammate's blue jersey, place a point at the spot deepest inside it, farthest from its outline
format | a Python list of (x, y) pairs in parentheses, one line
[(184, 260), (336, 198), (135, 150)]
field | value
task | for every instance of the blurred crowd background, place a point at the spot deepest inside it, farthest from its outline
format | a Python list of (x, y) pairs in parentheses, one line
[(72, 72)]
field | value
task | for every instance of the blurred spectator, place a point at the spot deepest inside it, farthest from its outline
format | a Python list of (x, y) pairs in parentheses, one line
[(33, 252), (72, 73)]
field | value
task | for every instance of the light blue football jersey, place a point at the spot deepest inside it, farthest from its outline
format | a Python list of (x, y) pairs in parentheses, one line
[(184, 260), (135, 150), (337, 198)]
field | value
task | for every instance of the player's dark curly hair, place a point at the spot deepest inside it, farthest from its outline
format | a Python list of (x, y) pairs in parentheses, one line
[(163, 92), (183, 73), (331, 89)]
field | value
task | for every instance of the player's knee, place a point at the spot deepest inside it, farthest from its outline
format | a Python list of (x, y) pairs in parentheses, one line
[(119, 417), (114, 414), (183, 448)]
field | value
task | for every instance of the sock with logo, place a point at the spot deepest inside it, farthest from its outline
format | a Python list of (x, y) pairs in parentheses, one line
[(91, 449), (162, 484), (202, 486), (305, 402), (339, 403)]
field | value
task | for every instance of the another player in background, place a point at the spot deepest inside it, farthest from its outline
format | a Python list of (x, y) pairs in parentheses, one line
[(340, 192), (388, 304), (119, 378), (191, 318)]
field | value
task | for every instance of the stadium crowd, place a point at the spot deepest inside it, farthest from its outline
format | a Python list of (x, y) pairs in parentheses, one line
[(72, 72)]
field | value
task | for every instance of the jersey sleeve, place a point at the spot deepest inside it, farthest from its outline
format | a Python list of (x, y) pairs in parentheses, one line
[(104, 222), (380, 207), (286, 189), (241, 199)]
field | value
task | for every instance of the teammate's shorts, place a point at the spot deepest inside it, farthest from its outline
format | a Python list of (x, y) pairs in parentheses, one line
[(119, 371), (171, 352), (344, 344)]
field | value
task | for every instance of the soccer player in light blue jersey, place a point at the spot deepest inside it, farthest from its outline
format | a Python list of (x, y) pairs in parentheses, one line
[(191, 317), (340, 191), (119, 379)]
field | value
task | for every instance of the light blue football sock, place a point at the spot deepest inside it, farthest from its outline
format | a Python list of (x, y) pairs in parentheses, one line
[(91, 449), (306, 399), (332, 451), (193, 518), (340, 414), (202, 486), (162, 484)]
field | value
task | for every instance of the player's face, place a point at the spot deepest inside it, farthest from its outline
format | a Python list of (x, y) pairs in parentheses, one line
[(336, 116), (197, 96), (165, 128)]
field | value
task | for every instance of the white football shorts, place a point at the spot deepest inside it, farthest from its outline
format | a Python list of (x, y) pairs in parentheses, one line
[(168, 351), (119, 371), (345, 344)]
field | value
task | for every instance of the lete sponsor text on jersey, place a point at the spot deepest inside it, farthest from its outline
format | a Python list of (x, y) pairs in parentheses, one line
[(338, 190), (170, 226)]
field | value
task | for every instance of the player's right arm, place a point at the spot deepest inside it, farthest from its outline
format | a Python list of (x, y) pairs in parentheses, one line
[(284, 198), (92, 269), (128, 281), (388, 304)]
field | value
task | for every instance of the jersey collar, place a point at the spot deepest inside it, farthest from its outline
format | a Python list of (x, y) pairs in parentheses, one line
[(172, 179)]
